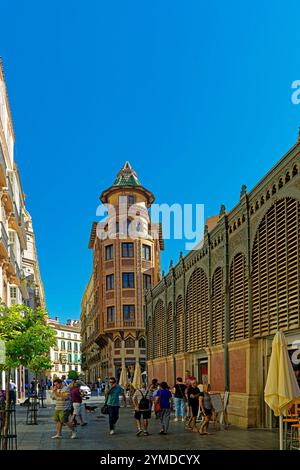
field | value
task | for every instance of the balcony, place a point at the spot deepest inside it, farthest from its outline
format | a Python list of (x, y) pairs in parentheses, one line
[(9, 200), (19, 272), (3, 239), (3, 167)]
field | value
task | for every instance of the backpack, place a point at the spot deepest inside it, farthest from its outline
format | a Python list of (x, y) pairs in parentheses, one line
[(144, 403)]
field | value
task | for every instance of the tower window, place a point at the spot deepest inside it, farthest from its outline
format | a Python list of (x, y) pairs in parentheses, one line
[(109, 252), (129, 343), (110, 314), (128, 312), (127, 250), (130, 199), (128, 280), (147, 252), (146, 281), (110, 282)]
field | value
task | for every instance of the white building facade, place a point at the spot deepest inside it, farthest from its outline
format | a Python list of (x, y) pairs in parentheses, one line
[(66, 355), (15, 229)]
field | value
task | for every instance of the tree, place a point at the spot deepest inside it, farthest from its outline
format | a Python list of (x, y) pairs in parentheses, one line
[(27, 339)]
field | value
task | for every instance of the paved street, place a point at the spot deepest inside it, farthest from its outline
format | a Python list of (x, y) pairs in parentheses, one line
[(95, 435)]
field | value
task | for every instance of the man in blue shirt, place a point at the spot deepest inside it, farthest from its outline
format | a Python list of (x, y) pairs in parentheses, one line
[(113, 393)]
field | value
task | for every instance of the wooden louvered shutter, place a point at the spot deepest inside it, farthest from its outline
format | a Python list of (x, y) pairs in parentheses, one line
[(217, 307), (159, 329), (149, 339), (239, 324), (197, 311), (275, 269), (179, 325), (169, 329)]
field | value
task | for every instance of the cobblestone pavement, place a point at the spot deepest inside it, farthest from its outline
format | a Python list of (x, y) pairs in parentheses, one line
[(95, 435)]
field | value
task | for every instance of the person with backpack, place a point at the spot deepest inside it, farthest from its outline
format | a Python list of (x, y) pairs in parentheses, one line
[(163, 399), (142, 402)]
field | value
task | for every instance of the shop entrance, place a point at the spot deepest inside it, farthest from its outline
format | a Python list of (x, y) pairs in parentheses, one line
[(202, 371)]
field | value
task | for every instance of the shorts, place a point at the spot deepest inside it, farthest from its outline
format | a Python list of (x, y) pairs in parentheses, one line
[(61, 415), (195, 409), (208, 412), (145, 414), (77, 409)]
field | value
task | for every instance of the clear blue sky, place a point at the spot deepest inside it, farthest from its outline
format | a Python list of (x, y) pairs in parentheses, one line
[(196, 95)]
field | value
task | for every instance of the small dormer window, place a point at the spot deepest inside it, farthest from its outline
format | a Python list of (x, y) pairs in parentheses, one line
[(130, 199)]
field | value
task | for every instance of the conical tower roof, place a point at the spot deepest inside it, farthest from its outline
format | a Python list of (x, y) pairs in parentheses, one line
[(127, 176)]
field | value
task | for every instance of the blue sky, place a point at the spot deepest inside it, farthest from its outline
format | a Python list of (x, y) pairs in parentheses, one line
[(196, 95)]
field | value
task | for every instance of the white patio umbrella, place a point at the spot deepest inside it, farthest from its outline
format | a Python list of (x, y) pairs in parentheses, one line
[(281, 388), (137, 381), (123, 376)]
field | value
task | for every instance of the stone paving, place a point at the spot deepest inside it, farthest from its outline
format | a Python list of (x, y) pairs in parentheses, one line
[(95, 435)]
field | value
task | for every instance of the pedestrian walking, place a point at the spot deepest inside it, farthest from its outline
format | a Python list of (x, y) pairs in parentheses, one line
[(113, 392), (12, 392), (76, 397), (142, 410), (154, 387), (206, 407), (193, 393), (180, 399), (61, 394), (98, 387), (163, 401)]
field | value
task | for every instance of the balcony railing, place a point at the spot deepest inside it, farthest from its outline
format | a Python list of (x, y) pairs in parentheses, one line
[(3, 235)]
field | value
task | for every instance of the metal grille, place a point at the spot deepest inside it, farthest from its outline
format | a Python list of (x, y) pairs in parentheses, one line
[(179, 325), (276, 272), (158, 329), (197, 311), (169, 329), (217, 307), (239, 324)]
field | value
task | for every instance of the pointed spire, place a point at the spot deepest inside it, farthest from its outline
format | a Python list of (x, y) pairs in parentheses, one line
[(127, 176), (243, 191), (222, 210)]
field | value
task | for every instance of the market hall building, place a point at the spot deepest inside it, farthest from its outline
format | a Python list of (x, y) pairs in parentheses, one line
[(216, 312)]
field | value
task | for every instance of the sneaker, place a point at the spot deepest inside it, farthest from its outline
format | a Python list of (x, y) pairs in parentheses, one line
[(146, 433), (83, 424), (112, 432), (175, 420), (183, 420), (139, 432), (57, 436), (73, 435)]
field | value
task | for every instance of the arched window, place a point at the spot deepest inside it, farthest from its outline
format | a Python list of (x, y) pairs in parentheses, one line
[(217, 307), (170, 329), (295, 170), (142, 343), (69, 346), (117, 343), (238, 299), (179, 325), (63, 346), (159, 342), (197, 301), (276, 269), (129, 342)]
